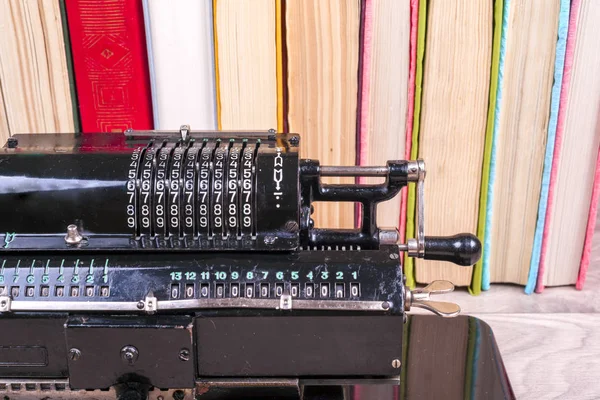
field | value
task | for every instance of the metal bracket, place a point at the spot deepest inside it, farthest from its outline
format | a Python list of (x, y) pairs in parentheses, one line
[(285, 302), (5, 304), (151, 305), (416, 246)]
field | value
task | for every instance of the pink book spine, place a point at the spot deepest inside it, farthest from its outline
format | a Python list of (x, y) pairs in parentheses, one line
[(414, 21), (569, 53), (591, 225)]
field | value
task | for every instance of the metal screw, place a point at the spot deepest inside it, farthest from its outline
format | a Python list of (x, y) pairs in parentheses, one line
[(184, 354), (294, 140), (178, 395), (394, 256), (291, 226), (73, 236), (396, 363), (12, 143), (129, 354), (74, 354), (272, 130), (140, 305), (385, 305)]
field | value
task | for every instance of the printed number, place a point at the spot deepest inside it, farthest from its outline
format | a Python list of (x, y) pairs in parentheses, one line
[(250, 275), (190, 276), (205, 275), (221, 275), (324, 275), (355, 275), (89, 279), (75, 279), (1, 279), (45, 279), (30, 279), (235, 275), (265, 274), (295, 275), (176, 276), (60, 279), (310, 275), (339, 275), (279, 275)]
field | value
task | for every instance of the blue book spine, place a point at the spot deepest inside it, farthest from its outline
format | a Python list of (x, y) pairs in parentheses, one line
[(561, 45), (487, 239)]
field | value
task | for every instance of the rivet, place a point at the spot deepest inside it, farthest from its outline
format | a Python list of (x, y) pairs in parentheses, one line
[(129, 354), (184, 354), (394, 256), (74, 354), (140, 305), (396, 363)]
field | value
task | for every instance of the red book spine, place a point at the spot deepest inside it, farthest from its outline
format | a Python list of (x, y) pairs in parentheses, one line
[(111, 65)]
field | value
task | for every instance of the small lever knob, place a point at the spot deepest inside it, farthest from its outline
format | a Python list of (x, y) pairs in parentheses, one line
[(462, 249), (421, 298)]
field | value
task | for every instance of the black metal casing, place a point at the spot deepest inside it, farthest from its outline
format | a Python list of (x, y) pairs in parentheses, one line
[(204, 299)]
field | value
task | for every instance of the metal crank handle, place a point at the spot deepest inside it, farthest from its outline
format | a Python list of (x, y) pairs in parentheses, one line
[(462, 249)]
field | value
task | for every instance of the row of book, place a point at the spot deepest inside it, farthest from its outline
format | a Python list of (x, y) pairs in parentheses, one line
[(509, 121), (500, 98)]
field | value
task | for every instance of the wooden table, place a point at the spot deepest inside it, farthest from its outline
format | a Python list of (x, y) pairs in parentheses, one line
[(550, 342)]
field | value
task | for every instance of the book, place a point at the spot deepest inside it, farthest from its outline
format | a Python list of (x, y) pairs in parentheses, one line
[(246, 63), (34, 76), (69, 56), (559, 63), (410, 112), (111, 71), (181, 62), (4, 132), (520, 134), (575, 154), (322, 40), (384, 92), (412, 139), (451, 136), (480, 279), (280, 65)]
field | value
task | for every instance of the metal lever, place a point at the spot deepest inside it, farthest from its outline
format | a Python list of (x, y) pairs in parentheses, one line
[(421, 298), (462, 249)]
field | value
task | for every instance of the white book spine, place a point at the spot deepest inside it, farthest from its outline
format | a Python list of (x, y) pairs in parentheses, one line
[(181, 59)]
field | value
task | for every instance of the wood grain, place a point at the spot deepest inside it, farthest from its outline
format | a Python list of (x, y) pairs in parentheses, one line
[(453, 122), (34, 78), (549, 356), (322, 42)]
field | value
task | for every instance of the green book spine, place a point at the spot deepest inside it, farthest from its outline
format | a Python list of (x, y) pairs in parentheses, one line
[(475, 287), (409, 263)]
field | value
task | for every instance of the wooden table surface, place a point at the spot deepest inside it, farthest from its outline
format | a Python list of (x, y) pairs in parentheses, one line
[(550, 342)]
